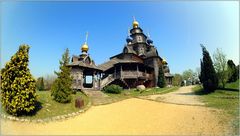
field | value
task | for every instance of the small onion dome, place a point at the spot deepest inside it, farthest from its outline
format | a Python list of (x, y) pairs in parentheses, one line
[(164, 61), (84, 47), (135, 24), (129, 39), (149, 41)]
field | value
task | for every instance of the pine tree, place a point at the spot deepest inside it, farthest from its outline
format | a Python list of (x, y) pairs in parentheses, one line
[(161, 78), (40, 84), (237, 68), (201, 76), (208, 74), (232, 71), (18, 87), (61, 88)]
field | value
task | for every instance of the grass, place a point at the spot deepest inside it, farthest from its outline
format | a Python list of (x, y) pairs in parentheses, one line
[(226, 100), (234, 85), (50, 108), (152, 91), (134, 93)]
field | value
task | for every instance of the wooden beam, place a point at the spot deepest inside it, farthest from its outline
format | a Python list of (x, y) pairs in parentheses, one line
[(115, 74), (137, 71), (121, 72)]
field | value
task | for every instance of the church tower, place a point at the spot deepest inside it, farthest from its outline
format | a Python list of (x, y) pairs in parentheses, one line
[(85, 73), (137, 40), (141, 45), (138, 43)]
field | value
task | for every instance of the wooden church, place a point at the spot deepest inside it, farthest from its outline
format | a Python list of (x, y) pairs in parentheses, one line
[(137, 64)]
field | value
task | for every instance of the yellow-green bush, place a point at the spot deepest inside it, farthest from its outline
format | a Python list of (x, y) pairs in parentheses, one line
[(18, 87)]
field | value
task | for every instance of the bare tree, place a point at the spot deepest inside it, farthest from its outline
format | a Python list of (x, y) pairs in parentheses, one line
[(177, 79), (198, 71), (220, 65), (189, 75), (48, 81)]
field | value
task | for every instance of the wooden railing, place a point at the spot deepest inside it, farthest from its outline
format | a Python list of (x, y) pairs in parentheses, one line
[(124, 74), (105, 81), (132, 74)]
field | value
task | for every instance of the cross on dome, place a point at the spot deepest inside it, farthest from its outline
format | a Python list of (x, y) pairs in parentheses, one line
[(84, 47), (135, 23)]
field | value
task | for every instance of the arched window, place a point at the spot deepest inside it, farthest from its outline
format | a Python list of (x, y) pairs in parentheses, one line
[(125, 50), (139, 38)]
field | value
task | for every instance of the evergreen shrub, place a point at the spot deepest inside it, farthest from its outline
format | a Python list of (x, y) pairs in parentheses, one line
[(18, 87), (115, 89)]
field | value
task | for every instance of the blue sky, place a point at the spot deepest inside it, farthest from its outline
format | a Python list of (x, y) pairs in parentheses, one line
[(176, 28)]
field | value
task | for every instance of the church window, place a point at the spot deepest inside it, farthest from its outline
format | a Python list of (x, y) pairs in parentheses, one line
[(148, 49), (139, 39), (125, 50)]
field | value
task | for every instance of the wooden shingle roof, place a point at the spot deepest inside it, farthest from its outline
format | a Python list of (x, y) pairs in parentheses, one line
[(107, 65), (168, 75), (81, 64)]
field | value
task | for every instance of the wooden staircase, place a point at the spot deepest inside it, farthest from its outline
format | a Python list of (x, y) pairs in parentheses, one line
[(107, 80), (124, 82)]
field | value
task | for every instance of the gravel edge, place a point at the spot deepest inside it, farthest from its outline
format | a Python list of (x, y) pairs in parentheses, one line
[(49, 119)]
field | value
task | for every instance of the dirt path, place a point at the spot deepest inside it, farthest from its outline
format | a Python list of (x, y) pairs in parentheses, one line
[(97, 97), (183, 95), (131, 116)]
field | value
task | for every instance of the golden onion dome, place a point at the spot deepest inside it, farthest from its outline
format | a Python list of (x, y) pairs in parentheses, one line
[(84, 47), (135, 24), (164, 61)]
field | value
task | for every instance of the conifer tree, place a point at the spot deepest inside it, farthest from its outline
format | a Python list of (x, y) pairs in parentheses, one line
[(61, 88), (161, 78), (232, 71), (208, 74), (18, 87), (201, 75), (237, 68)]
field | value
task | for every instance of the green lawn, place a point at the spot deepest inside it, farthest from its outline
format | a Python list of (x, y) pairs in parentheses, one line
[(51, 108), (234, 85), (226, 100), (134, 93)]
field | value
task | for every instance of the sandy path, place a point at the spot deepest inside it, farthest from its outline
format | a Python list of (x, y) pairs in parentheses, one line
[(131, 116), (183, 96)]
